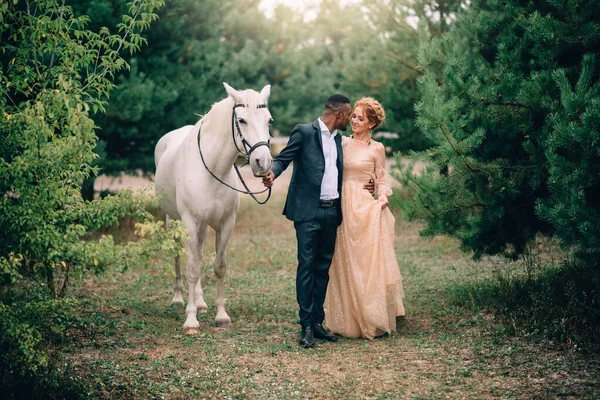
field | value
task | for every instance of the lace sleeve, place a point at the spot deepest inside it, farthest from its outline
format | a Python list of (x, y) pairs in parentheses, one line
[(380, 181)]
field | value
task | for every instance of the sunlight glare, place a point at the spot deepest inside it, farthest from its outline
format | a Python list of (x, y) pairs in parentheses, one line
[(302, 6), (308, 8)]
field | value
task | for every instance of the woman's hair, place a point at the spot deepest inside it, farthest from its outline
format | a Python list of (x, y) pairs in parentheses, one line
[(373, 109)]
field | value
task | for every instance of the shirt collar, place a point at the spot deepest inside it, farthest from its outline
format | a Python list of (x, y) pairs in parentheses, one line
[(324, 128)]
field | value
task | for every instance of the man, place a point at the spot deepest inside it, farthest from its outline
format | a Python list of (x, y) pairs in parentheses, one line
[(313, 203)]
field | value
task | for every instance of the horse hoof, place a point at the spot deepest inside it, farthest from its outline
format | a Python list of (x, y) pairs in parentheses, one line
[(191, 331), (222, 324), (176, 303)]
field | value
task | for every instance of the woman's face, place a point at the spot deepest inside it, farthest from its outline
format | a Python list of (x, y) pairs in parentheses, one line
[(360, 123)]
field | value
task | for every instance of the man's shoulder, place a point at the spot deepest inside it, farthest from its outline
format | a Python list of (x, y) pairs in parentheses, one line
[(305, 128)]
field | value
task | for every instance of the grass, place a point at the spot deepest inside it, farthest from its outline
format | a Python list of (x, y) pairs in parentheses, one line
[(446, 347)]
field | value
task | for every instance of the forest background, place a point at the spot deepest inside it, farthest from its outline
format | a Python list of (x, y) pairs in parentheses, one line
[(499, 99), (354, 48)]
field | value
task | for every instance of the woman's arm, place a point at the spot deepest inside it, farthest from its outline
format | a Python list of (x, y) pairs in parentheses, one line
[(383, 189)]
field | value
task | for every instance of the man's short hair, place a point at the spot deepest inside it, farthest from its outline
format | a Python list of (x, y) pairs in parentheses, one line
[(336, 101)]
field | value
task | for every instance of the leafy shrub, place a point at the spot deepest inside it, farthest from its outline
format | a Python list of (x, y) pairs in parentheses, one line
[(31, 320), (54, 73), (559, 303)]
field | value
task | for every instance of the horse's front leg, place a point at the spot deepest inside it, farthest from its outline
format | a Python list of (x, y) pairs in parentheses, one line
[(194, 247), (221, 244)]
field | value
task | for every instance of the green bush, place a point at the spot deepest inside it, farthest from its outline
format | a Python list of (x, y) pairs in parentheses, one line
[(559, 303), (32, 321), (53, 74)]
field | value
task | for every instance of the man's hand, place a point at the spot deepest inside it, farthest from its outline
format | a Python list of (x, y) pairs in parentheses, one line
[(383, 200), (268, 180), (370, 186)]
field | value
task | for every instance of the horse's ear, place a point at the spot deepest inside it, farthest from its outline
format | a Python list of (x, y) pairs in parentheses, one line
[(233, 93), (265, 93)]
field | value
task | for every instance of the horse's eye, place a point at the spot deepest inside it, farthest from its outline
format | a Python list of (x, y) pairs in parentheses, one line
[(242, 121)]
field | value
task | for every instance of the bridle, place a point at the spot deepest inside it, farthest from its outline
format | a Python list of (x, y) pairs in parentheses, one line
[(235, 124), (248, 149)]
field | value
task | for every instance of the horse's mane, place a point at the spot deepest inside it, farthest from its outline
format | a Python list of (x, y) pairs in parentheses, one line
[(222, 110)]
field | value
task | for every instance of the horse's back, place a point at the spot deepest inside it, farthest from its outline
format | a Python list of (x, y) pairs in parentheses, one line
[(170, 141)]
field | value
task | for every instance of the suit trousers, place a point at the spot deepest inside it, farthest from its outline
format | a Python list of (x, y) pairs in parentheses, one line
[(316, 243)]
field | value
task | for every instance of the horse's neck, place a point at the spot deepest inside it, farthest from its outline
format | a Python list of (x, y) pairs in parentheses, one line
[(218, 148)]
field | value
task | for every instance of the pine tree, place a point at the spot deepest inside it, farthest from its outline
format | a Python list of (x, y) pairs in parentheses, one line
[(572, 155), (379, 59), (510, 98)]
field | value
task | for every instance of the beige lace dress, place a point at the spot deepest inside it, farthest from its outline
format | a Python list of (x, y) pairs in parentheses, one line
[(364, 295)]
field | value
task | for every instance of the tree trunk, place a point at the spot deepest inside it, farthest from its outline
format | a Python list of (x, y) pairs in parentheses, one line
[(87, 188)]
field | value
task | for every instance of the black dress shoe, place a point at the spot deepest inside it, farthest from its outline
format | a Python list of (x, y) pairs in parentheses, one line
[(307, 337), (321, 333)]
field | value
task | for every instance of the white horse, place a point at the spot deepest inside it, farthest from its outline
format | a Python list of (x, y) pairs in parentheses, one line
[(194, 167)]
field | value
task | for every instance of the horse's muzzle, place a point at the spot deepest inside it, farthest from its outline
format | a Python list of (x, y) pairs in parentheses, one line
[(261, 166)]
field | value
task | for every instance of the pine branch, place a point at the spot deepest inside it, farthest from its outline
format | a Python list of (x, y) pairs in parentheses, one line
[(423, 190), (392, 56), (508, 64), (435, 215), (461, 208), (505, 103), (461, 156)]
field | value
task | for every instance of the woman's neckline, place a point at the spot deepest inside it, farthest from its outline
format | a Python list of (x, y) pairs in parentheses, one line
[(367, 142)]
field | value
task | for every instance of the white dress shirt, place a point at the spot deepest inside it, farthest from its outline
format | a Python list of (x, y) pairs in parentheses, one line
[(329, 184)]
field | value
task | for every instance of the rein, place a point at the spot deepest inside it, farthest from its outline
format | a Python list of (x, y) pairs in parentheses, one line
[(235, 128)]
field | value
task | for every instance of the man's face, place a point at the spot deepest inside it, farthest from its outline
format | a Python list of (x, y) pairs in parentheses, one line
[(342, 117)]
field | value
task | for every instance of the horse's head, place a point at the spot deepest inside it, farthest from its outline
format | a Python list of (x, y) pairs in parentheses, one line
[(250, 121)]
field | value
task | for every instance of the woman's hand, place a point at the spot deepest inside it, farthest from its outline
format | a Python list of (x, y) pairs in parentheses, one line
[(370, 187), (383, 200)]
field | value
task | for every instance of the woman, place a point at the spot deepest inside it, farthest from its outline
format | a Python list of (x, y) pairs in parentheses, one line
[(364, 295)]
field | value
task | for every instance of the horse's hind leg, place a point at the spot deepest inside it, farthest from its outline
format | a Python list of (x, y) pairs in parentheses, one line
[(178, 287), (197, 234), (222, 241)]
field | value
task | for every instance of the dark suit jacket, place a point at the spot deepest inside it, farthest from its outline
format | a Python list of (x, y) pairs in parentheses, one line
[(305, 149)]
